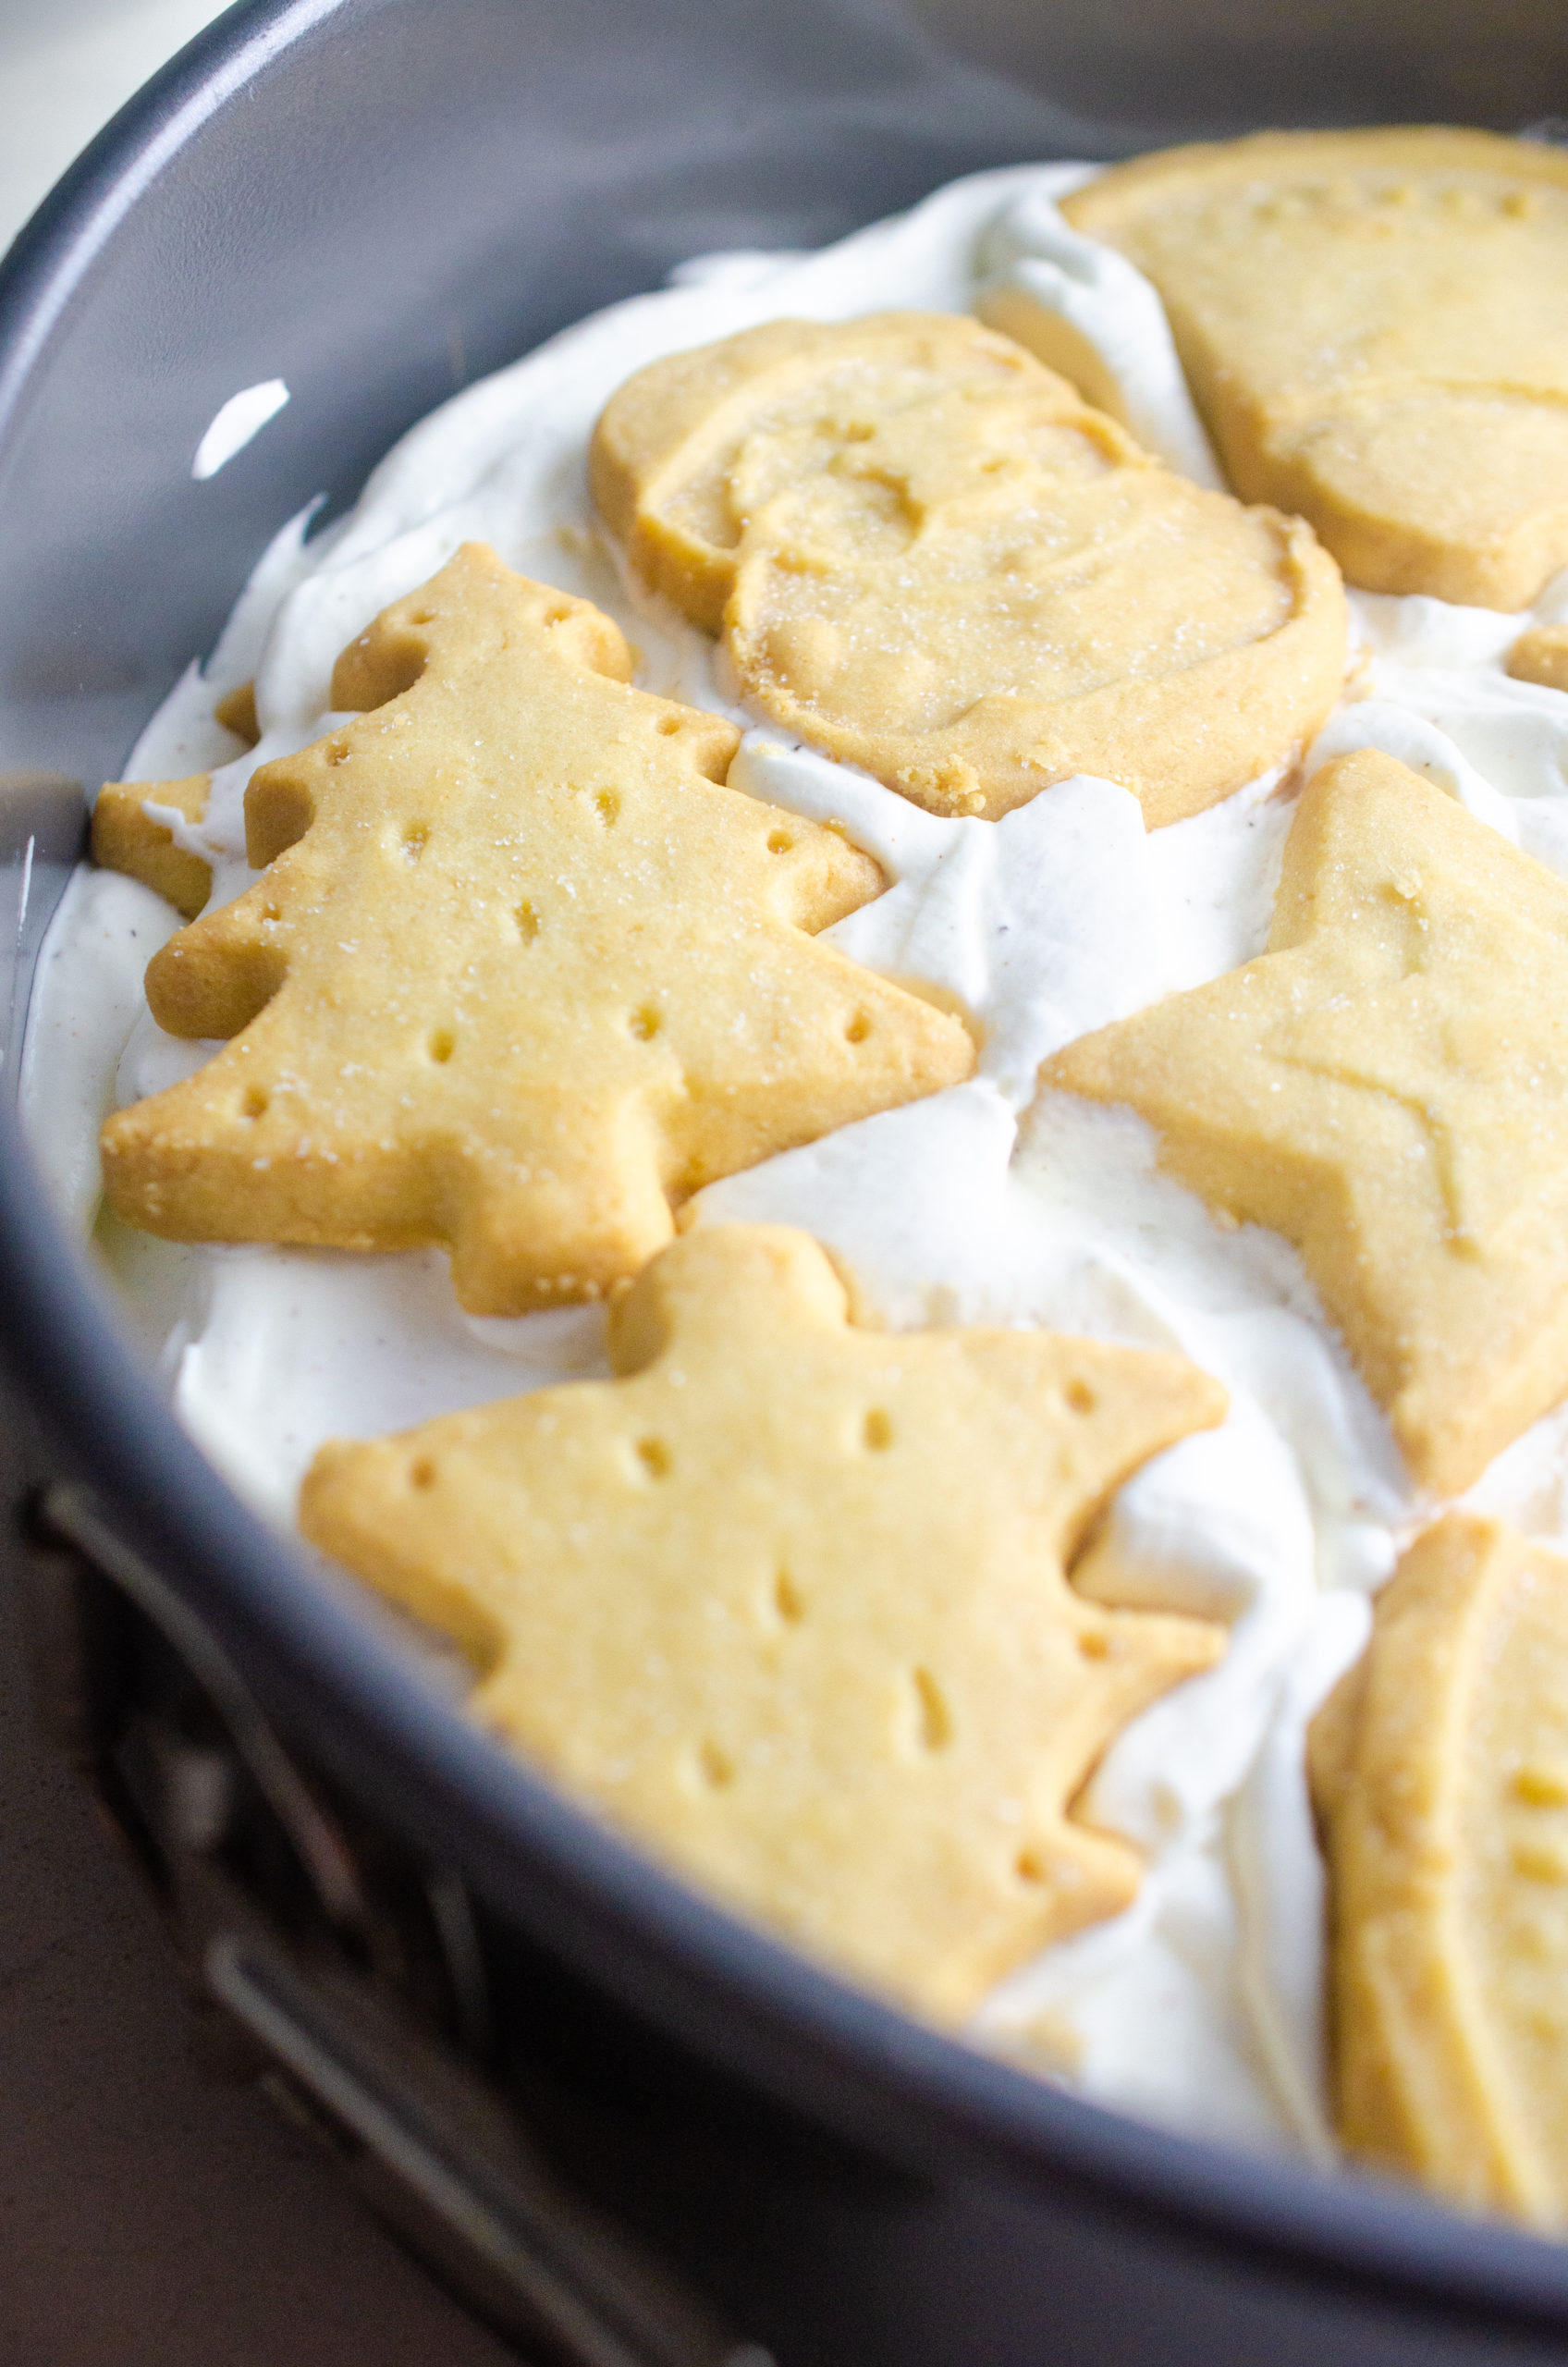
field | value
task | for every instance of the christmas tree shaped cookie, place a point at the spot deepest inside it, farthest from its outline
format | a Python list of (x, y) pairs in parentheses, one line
[(1388, 1087), (520, 976), (787, 1601)]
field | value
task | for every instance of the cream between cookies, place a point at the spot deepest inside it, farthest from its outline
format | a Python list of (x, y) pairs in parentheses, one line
[(1202, 2004)]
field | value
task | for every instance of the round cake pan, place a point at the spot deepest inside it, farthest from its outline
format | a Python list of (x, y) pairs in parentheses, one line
[(637, 2134)]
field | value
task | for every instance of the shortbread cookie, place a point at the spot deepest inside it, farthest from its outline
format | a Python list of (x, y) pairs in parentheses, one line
[(237, 713), (1375, 326), (1447, 1820), (787, 1601), (931, 558), (1541, 656), (1388, 1087), (521, 974), (127, 838)]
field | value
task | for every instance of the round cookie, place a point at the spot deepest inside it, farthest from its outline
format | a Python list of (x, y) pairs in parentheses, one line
[(1441, 1771), (1375, 326), (931, 558)]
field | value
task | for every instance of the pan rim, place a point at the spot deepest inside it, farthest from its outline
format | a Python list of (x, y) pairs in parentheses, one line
[(732, 1993)]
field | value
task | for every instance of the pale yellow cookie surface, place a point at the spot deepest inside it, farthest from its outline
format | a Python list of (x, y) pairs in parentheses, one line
[(1541, 656), (787, 1601), (127, 838), (1375, 325), (1447, 1821), (520, 974), (931, 558), (237, 713), (1388, 1087)]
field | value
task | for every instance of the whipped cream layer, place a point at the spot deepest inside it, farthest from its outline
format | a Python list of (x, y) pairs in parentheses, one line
[(1202, 2005)]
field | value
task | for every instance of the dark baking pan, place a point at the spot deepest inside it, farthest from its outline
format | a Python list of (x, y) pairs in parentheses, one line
[(636, 2134)]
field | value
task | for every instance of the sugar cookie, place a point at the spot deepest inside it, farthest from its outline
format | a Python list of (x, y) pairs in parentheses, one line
[(1541, 656), (929, 558), (237, 713), (1375, 326), (1446, 1811), (521, 974), (787, 1601), (1388, 1087), (127, 838)]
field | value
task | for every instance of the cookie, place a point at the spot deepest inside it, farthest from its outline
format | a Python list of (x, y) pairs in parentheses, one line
[(237, 713), (929, 558), (1388, 1087), (786, 1601), (521, 974), (1446, 1816), (1375, 326), (1541, 656), (127, 838)]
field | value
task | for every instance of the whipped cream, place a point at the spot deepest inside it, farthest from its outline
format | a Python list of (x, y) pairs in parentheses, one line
[(1202, 2005)]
